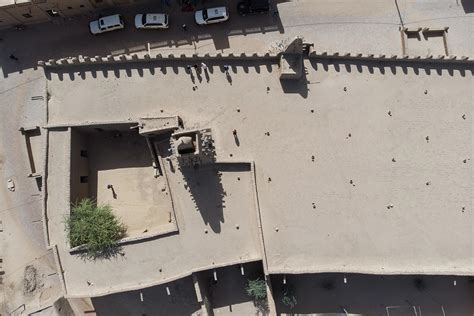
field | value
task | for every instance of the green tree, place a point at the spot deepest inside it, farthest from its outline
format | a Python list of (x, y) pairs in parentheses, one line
[(257, 289), (95, 227)]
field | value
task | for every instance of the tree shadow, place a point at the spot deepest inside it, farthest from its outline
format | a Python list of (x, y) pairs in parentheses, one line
[(108, 253)]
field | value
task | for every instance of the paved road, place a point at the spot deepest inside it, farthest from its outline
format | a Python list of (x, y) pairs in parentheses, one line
[(367, 27)]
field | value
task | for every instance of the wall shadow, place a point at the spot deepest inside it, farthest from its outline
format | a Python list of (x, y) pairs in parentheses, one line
[(371, 294), (230, 286), (204, 183), (468, 6), (392, 67), (181, 301), (158, 67), (205, 186)]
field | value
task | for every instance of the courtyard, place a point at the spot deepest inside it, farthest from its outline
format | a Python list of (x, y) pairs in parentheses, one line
[(112, 164)]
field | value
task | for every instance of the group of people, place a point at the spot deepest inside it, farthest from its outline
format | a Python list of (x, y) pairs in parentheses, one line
[(203, 67)]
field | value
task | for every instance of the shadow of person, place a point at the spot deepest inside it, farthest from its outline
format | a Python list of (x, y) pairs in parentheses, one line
[(236, 139), (198, 75), (228, 77), (206, 74)]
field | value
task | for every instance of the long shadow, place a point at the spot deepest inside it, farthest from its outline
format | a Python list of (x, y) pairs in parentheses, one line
[(205, 186), (181, 301), (392, 67), (158, 67), (76, 40), (370, 294)]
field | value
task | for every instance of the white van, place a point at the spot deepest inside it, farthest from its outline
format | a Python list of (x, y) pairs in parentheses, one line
[(107, 24)]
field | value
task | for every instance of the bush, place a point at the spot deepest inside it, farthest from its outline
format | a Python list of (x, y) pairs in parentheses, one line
[(257, 289), (95, 227), (288, 297)]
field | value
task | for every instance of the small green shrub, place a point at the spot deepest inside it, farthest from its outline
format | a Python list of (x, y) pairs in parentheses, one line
[(257, 289), (288, 297), (95, 227)]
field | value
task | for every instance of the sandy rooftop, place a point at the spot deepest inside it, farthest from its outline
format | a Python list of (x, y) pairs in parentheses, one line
[(366, 126), (211, 225)]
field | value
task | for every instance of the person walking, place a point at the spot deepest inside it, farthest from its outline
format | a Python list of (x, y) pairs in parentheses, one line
[(203, 66), (184, 27)]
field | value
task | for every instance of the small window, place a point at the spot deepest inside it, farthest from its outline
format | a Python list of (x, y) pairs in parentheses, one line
[(82, 6), (84, 153), (69, 8), (84, 179), (27, 15)]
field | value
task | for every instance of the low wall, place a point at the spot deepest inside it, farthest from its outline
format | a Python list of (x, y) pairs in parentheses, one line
[(394, 58), (135, 58)]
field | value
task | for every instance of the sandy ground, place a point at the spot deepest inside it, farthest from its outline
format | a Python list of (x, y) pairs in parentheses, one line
[(21, 238), (142, 201)]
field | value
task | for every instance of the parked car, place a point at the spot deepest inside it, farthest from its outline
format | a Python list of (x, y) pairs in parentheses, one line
[(211, 15), (107, 24), (151, 21), (253, 7)]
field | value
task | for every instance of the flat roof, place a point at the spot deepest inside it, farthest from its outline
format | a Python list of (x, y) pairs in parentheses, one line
[(389, 190), (206, 238), (4, 3)]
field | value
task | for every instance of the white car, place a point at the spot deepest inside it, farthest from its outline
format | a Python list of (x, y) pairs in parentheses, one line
[(211, 15), (107, 24), (151, 21)]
